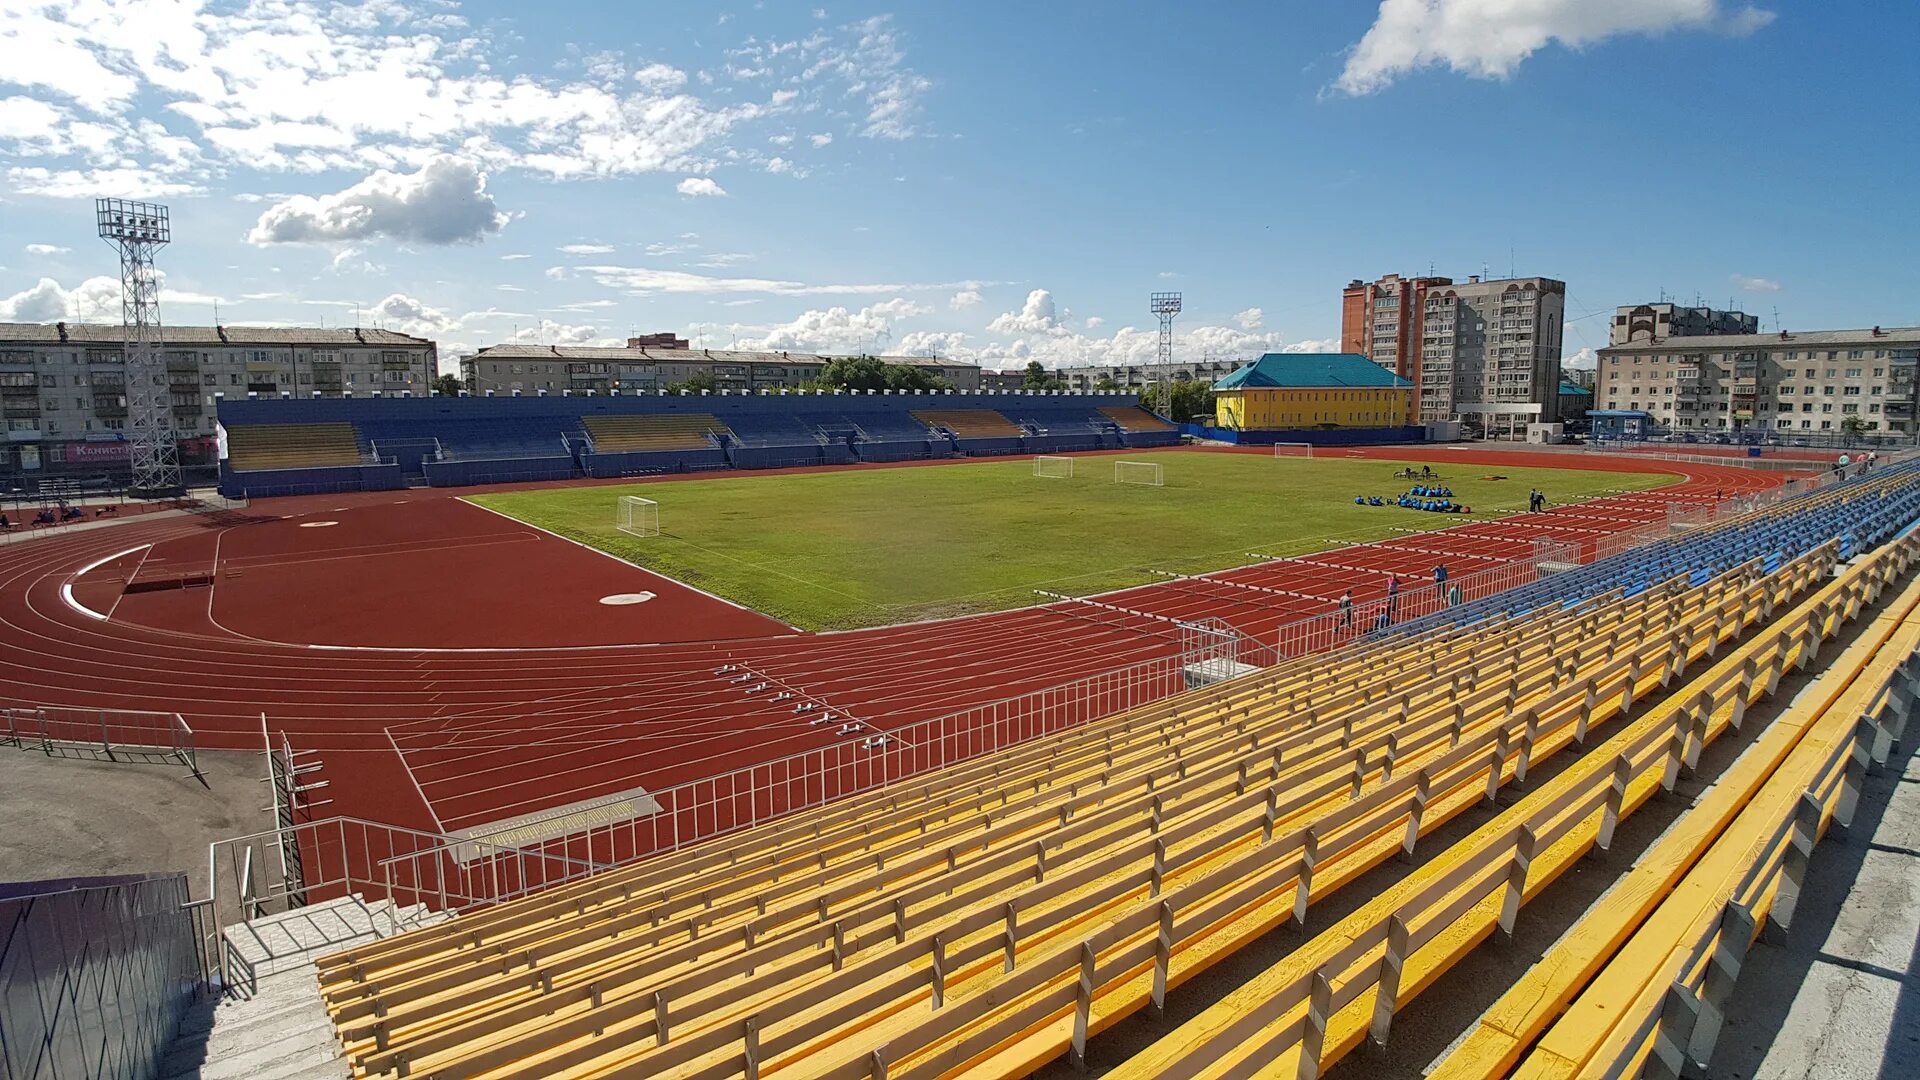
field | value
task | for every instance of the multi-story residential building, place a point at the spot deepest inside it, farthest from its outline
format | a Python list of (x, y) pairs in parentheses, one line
[(1382, 320), (534, 369), (1799, 383), (1487, 351), (1655, 322), (63, 396), (1091, 377)]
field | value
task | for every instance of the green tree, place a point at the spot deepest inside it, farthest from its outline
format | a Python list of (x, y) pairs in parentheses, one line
[(1181, 401), (1039, 379), (1852, 424), (873, 373), (1105, 384), (698, 381), (448, 385)]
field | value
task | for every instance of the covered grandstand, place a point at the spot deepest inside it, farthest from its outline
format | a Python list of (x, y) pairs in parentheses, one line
[(385, 444)]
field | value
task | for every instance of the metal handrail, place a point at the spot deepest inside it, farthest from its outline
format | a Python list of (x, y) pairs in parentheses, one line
[(349, 853)]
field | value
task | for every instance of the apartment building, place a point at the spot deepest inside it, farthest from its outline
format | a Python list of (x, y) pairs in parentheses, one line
[(1800, 383), (63, 396), (1092, 377), (552, 369), (1486, 351), (1656, 322)]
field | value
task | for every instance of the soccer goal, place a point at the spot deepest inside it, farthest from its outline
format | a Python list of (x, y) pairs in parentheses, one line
[(638, 516), (1137, 472), (1058, 467), (1293, 449)]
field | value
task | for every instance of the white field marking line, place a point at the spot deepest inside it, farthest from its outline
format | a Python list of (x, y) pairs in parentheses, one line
[(130, 580), (625, 563), (1235, 584), (415, 781), (66, 587)]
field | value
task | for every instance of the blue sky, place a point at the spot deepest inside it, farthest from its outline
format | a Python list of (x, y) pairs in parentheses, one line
[(995, 181)]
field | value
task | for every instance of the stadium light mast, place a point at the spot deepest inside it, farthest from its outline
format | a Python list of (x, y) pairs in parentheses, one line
[(137, 230), (1164, 306)]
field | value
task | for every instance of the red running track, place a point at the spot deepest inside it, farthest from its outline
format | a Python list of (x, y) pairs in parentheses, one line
[(450, 737)]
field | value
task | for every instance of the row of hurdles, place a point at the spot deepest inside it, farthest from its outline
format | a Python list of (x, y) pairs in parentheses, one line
[(286, 446), (992, 917)]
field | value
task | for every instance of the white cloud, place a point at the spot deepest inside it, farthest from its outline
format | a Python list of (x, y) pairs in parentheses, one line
[(1489, 39), (189, 89), (641, 280), (1755, 284), (965, 299), (1095, 322), (47, 249), (1250, 319), (1036, 316), (722, 259), (838, 330), (94, 300), (1585, 358), (660, 77), (549, 332), (511, 258), (699, 185), (586, 249), (782, 165), (944, 343), (116, 182), (44, 302), (409, 316), (445, 202), (822, 139)]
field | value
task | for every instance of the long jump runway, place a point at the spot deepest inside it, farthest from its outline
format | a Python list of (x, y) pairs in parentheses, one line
[(453, 667)]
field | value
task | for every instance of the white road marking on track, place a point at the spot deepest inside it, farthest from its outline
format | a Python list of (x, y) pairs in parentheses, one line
[(66, 587)]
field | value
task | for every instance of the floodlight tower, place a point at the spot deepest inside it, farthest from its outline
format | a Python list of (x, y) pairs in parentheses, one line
[(137, 230), (1165, 305)]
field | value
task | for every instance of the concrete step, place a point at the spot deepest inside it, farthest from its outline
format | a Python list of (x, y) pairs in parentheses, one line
[(273, 1025), (292, 939)]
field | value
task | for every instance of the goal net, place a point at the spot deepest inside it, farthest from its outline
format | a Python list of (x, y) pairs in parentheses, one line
[(638, 516), (1059, 467), (1137, 472), (1293, 449)]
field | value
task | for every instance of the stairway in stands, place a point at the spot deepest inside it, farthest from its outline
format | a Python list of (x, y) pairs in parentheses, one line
[(271, 1024)]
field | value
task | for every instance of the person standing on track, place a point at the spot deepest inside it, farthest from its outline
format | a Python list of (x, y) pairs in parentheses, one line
[(1393, 594), (1440, 577), (1346, 610)]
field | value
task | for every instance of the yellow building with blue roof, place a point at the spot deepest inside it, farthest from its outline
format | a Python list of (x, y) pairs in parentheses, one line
[(1312, 391)]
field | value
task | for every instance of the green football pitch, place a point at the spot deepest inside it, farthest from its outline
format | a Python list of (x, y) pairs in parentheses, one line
[(865, 547)]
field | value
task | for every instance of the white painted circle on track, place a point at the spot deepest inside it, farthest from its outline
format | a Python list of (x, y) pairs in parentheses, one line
[(317, 524), (625, 598)]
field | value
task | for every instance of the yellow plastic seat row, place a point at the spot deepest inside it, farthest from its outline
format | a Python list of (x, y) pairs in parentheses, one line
[(292, 446), (674, 431), (1318, 748), (1661, 998), (1321, 1001)]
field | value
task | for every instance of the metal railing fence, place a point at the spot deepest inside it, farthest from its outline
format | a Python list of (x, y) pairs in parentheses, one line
[(113, 734)]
